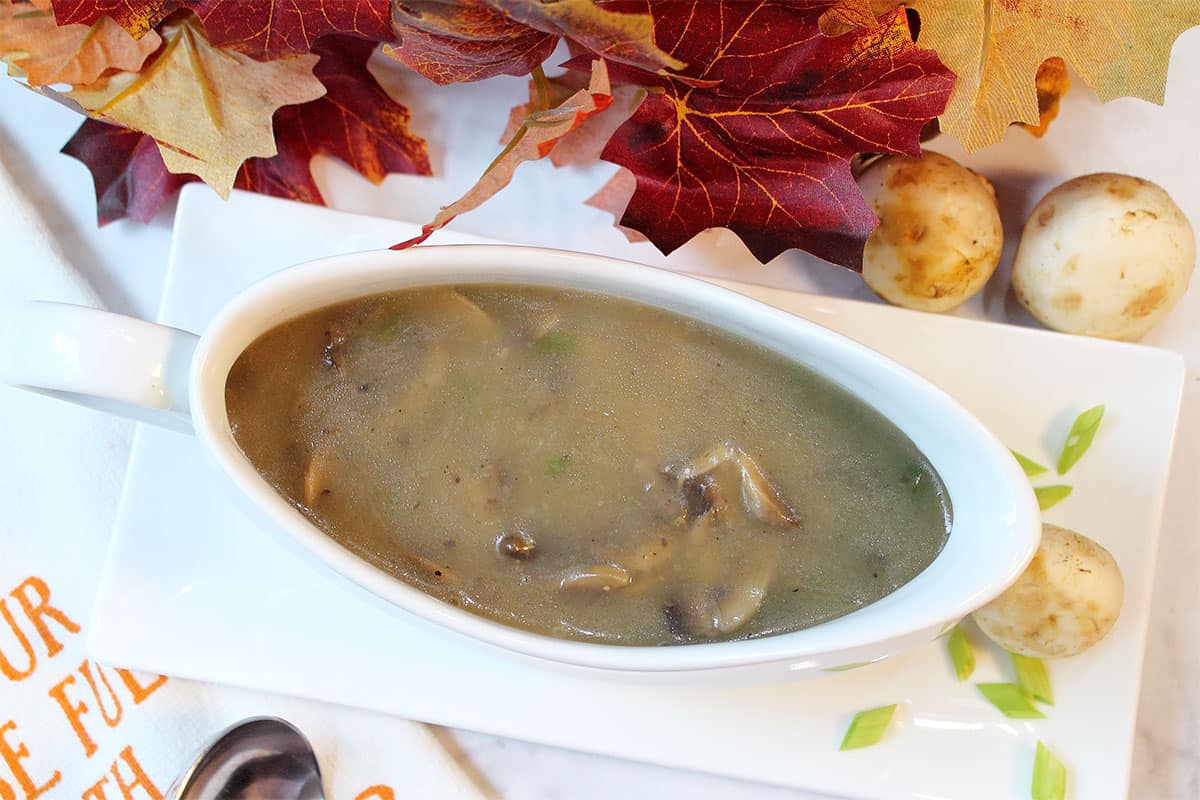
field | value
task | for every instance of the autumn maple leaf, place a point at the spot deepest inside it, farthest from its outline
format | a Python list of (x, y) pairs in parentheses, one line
[(996, 49), (44, 52), (127, 170), (532, 140), (450, 41), (765, 151), (262, 29), (356, 121), (619, 36), (464, 40), (584, 144), (208, 109)]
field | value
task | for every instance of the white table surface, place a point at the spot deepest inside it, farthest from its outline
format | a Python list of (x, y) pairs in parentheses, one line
[(126, 263)]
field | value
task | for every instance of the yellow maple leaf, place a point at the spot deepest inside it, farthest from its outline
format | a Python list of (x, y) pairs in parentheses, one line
[(209, 109), (995, 47), (44, 53)]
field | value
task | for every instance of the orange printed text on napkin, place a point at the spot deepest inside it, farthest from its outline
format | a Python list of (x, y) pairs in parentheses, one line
[(64, 699)]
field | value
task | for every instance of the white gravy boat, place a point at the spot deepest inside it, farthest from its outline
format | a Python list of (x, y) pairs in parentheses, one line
[(173, 378)]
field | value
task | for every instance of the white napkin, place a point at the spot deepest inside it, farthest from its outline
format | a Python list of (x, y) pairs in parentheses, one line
[(70, 728)]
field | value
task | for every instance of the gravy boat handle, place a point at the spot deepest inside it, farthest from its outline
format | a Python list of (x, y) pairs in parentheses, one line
[(102, 360)]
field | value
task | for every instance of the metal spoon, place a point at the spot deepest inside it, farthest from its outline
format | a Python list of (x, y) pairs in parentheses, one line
[(264, 758)]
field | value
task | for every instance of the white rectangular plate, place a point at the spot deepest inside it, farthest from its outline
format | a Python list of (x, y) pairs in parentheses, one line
[(195, 590)]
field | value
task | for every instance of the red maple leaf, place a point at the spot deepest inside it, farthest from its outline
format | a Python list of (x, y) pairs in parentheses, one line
[(465, 40), (355, 121), (131, 180), (766, 150), (262, 29), (449, 41)]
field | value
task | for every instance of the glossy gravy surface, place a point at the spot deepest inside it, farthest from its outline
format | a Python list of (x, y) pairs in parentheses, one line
[(585, 467)]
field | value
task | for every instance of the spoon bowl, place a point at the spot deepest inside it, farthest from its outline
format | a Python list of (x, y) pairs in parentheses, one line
[(264, 758)]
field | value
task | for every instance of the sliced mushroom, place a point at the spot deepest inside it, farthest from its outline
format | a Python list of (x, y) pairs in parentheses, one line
[(516, 544), (650, 556), (704, 560), (759, 495), (723, 607), (702, 531), (697, 495), (762, 499), (716, 611), (741, 599), (695, 615), (335, 342), (538, 325), (702, 495), (601, 577), (735, 605), (424, 383), (443, 308), (453, 305), (430, 570), (497, 483), (438, 310), (698, 492), (707, 461), (316, 477), (673, 615), (666, 500)]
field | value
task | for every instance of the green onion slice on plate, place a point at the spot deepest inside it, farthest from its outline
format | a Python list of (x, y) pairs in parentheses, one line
[(1030, 466), (1011, 700), (1080, 438), (961, 653), (1050, 496), (868, 727), (1033, 678), (1049, 776)]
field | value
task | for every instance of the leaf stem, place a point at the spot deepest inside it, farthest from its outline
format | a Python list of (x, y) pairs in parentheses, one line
[(541, 85), (508, 148)]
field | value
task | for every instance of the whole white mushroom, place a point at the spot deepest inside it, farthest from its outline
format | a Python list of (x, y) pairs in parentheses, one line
[(1067, 599), (939, 236), (1104, 255)]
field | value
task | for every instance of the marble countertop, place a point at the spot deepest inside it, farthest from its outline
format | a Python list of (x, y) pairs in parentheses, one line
[(126, 262)]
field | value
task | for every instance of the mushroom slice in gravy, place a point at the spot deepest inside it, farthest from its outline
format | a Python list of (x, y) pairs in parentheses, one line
[(759, 495), (600, 577)]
